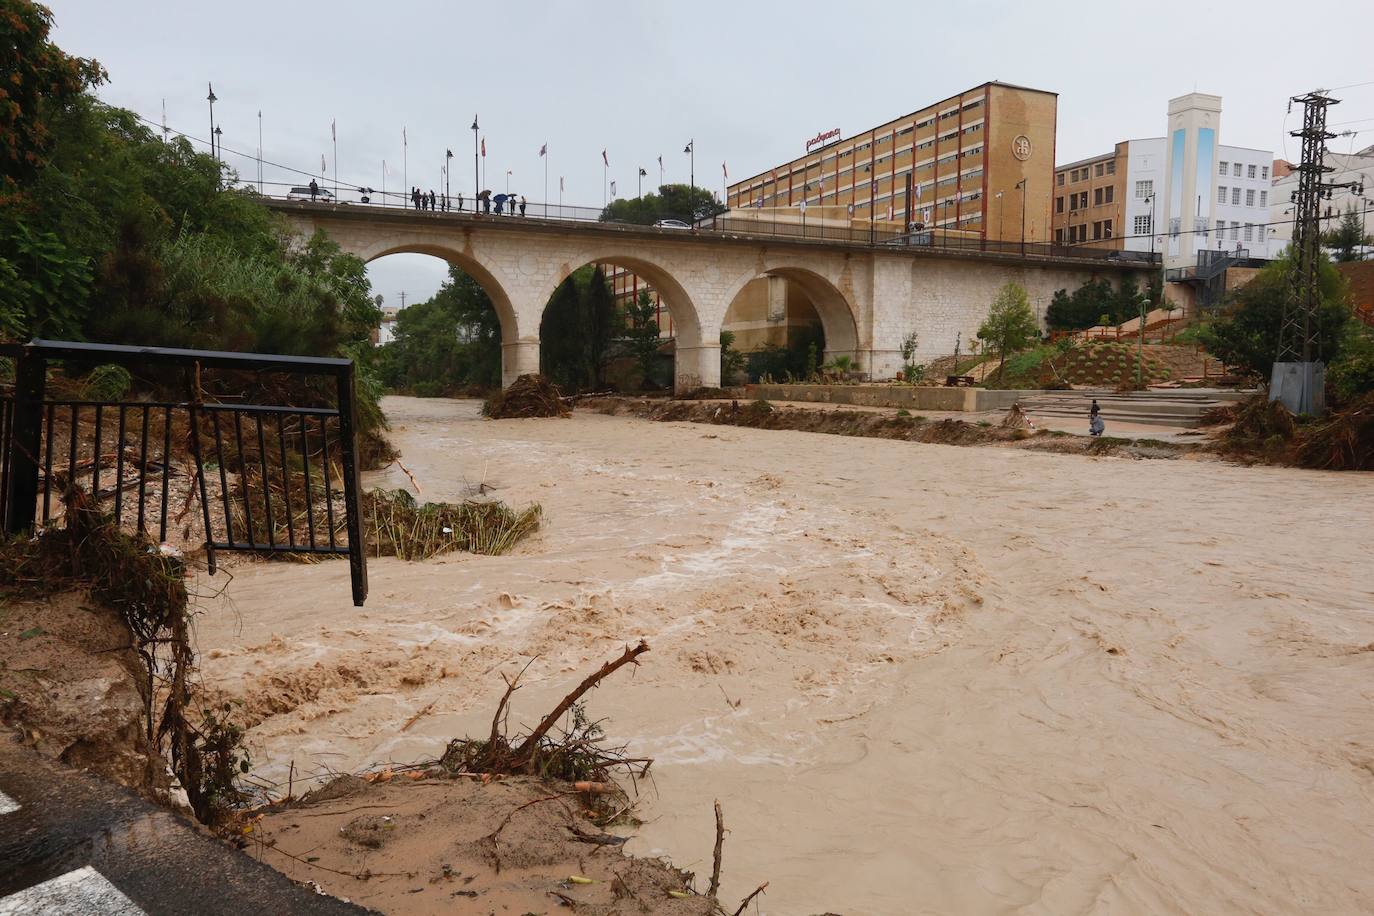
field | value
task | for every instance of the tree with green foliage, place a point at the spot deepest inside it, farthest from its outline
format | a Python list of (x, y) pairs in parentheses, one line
[(578, 329), (1347, 237), (447, 343), (1010, 325), (1246, 335), (732, 361), (642, 336), (1352, 373), (1091, 303), (673, 201), (109, 234)]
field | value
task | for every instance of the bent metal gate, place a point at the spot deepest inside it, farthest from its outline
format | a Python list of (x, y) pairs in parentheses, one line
[(253, 439)]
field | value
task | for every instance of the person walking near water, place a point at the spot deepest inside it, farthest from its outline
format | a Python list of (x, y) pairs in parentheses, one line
[(1095, 425)]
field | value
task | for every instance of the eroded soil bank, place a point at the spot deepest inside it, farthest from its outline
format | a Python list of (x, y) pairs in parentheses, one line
[(919, 678)]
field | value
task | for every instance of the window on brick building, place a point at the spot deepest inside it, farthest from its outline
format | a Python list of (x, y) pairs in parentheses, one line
[(1111, 193), (1106, 228), (1059, 179), (1059, 205), (1101, 166), (1097, 197), (1111, 167)]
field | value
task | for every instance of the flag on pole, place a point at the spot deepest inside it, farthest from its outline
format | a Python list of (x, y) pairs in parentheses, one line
[(660, 162), (543, 149), (560, 184), (322, 166), (723, 170), (404, 141), (333, 131), (604, 159), (386, 169), (484, 147), (612, 188)]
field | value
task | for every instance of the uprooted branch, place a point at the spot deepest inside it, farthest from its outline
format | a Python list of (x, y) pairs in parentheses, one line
[(531, 744), (715, 859), (575, 755), (745, 903)]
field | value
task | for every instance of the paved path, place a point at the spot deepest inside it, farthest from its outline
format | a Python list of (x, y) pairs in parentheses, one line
[(75, 845)]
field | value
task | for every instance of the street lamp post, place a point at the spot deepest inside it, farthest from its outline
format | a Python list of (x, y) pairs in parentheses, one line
[(691, 151), (1140, 348), (1022, 185), (476, 183), (448, 167), (212, 100), (1001, 213), (218, 141)]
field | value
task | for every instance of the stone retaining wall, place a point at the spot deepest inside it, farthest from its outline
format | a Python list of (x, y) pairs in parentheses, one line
[(912, 397)]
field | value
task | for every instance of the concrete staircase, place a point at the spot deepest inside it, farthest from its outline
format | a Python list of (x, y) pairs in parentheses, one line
[(1182, 407)]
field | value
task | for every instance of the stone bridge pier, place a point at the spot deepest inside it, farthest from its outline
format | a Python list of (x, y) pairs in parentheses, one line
[(867, 299)]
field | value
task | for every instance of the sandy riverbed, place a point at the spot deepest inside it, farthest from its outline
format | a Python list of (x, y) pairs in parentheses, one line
[(968, 679)]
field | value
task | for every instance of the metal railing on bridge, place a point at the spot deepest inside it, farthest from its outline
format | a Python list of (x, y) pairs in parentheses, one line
[(728, 223), (292, 489)]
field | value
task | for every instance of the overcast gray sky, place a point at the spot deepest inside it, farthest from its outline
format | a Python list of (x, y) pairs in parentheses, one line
[(750, 81)]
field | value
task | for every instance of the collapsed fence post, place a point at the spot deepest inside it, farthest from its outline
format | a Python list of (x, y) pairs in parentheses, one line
[(357, 562), (26, 429)]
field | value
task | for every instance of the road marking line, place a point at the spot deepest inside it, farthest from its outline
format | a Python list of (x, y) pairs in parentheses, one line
[(7, 804), (76, 893)]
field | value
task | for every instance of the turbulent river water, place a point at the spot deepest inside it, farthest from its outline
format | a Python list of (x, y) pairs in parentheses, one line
[(919, 678)]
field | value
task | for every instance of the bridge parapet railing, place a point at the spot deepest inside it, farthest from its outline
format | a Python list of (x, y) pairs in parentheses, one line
[(920, 238), (269, 476)]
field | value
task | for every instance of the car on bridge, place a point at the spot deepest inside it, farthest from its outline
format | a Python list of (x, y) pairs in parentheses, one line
[(671, 224), (320, 195)]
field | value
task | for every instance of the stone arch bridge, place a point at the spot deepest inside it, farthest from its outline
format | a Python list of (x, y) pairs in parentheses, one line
[(868, 297)]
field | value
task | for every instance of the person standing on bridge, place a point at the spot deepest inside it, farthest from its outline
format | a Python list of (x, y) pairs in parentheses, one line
[(460, 201), (314, 190), (431, 199), (522, 204), (415, 197)]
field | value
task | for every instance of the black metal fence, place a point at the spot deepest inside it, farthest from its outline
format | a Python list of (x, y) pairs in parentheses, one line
[(268, 478)]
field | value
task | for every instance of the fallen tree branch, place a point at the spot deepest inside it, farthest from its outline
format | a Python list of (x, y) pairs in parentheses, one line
[(715, 863), (758, 890), (526, 751)]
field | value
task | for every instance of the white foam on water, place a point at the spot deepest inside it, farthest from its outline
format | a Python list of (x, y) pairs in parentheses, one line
[(7, 804)]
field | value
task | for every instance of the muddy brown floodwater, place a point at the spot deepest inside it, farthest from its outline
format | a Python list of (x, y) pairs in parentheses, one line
[(919, 678)]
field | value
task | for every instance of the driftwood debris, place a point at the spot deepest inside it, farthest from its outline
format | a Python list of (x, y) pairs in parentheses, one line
[(715, 859)]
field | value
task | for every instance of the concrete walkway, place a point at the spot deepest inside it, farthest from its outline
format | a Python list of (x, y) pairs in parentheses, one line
[(75, 845)]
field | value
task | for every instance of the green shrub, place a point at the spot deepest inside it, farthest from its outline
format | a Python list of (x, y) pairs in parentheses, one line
[(107, 383)]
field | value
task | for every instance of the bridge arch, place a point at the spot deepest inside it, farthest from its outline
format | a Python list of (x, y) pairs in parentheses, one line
[(696, 347), (833, 306), (494, 286), (686, 320)]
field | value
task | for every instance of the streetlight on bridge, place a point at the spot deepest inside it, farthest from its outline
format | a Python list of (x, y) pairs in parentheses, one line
[(1022, 185)]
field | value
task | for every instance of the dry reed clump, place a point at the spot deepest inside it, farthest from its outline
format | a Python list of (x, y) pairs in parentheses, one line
[(398, 526), (1016, 418), (530, 395), (147, 588)]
